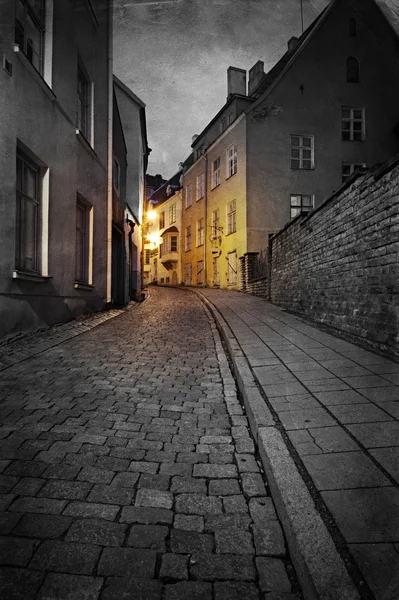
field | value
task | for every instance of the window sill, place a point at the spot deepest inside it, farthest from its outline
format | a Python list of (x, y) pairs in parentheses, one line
[(189, 250), (86, 144), (198, 199), (189, 206), (231, 232), (34, 72), (230, 176), (79, 285), (302, 169), (215, 186), (30, 276), (199, 245)]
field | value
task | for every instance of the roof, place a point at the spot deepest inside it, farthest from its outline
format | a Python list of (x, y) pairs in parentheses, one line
[(160, 195), (172, 229), (390, 10), (216, 117), (128, 91)]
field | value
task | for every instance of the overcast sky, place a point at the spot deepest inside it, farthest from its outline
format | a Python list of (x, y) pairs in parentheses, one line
[(174, 55)]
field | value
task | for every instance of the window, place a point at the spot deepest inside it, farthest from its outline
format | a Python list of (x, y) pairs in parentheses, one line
[(300, 204), (200, 232), (216, 172), (188, 238), (231, 217), (84, 103), (29, 30), (353, 124), (231, 161), (200, 186), (200, 272), (28, 214), (162, 220), (172, 214), (189, 194), (352, 28), (82, 265), (349, 168), (187, 273), (231, 259), (216, 222), (169, 244), (173, 243), (199, 151), (216, 271), (352, 70), (302, 152), (116, 175), (147, 256)]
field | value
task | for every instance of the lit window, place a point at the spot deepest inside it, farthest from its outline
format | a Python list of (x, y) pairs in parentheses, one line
[(169, 244), (216, 172), (200, 232), (84, 103), (349, 168), (29, 30), (231, 161), (172, 214), (300, 204), (28, 214), (231, 260), (82, 265), (302, 152), (353, 124), (188, 238), (216, 222), (352, 70), (200, 272), (200, 186), (231, 217), (189, 194), (147, 256), (162, 220), (173, 243)]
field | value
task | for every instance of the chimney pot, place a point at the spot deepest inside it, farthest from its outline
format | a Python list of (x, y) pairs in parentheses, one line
[(292, 43), (256, 74), (236, 81)]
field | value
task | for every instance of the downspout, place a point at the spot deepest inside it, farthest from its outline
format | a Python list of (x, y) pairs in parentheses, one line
[(109, 156), (205, 215)]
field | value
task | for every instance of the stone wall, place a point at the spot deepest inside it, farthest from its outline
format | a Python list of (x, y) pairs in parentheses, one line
[(340, 265)]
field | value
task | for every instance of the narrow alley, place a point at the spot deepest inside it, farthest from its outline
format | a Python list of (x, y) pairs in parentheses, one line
[(128, 469)]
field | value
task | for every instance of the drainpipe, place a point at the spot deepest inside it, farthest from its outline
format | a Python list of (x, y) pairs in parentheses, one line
[(205, 214), (109, 157)]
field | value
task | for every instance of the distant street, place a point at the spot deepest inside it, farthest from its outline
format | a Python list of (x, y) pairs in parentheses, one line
[(128, 470)]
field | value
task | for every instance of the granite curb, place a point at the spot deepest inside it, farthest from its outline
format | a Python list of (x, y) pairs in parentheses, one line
[(320, 569)]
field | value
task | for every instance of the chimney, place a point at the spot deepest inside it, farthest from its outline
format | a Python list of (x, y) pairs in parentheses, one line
[(292, 43), (194, 138), (236, 82), (256, 75)]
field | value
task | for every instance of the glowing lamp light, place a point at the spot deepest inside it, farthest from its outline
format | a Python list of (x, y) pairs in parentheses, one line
[(151, 215), (154, 238)]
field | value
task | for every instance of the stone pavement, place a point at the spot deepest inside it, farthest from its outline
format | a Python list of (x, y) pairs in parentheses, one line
[(337, 407), (127, 469)]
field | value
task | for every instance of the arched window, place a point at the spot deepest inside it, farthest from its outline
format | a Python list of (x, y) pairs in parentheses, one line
[(352, 28), (352, 70)]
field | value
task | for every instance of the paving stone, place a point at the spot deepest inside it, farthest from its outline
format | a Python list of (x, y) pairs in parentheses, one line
[(223, 487), (221, 458), (127, 562), (235, 590), (174, 567), (30, 468), (70, 490), (188, 542), (143, 467), (19, 584), (223, 521), (7, 482), (87, 509), (147, 516), (154, 498), (8, 521), (148, 536), (38, 505), (262, 509), (191, 457), (95, 475), (198, 504), (28, 486), (252, 485), (180, 469), (272, 575), (159, 482), (110, 494), (43, 526), (93, 531), (269, 539), (213, 567), (195, 590), (125, 480), (66, 557), (246, 463), (68, 587), (124, 588), (233, 541), (215, 471), (63, 471), (189, 485), (16, 551)]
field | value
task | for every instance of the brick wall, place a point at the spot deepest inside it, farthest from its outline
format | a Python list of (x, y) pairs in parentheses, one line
[(340, 265)]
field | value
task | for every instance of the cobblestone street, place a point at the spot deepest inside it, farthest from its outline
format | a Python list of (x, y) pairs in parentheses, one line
[(128, 470)]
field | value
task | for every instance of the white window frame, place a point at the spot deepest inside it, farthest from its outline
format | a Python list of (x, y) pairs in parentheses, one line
[(162, 220), (351, 168), (187, 239), (302, 150), (231, 217), (87, 278), (172, 214), (200, 232), (300, 207), (86, 127), (216, 172), (189, 194), (231, 161), (351, 118), (200, 185)]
